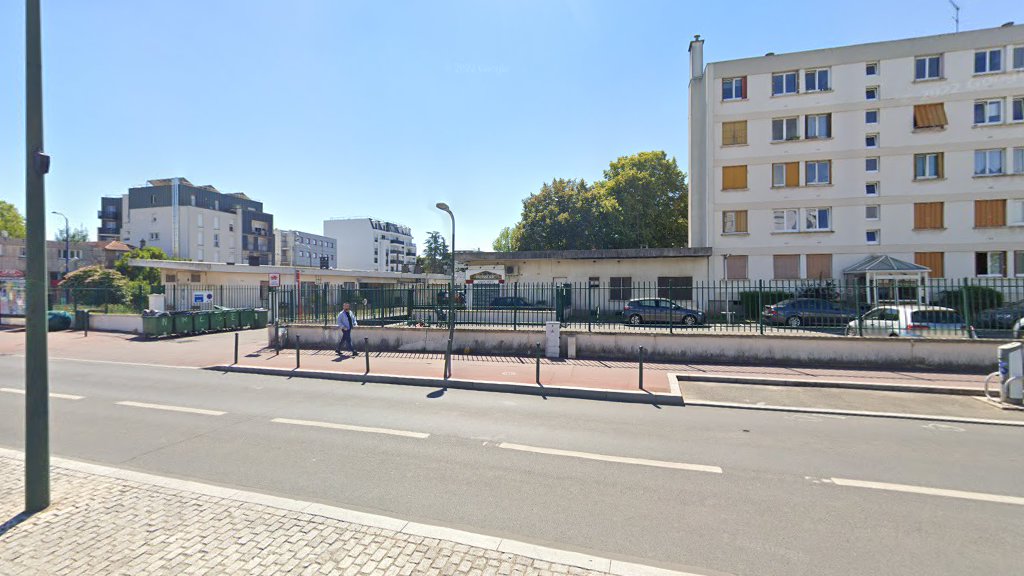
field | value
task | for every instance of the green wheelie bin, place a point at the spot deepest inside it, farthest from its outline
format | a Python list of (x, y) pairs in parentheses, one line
[(217, 318), (246, 318), (201, 321), (261, 317), (156, 325), (231, 319), (183, 323)]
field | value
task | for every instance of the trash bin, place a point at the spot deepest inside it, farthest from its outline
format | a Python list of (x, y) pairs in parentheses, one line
[(57, 320), (183, 323), (201, 321), (216, 319), (231, 319), (246, 317), (156, 324), (261, 316)]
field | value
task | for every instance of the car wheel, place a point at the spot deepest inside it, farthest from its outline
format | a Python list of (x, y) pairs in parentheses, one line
[(794, 321), (850, 331), (689, 320), (635, 320), (894, 335)]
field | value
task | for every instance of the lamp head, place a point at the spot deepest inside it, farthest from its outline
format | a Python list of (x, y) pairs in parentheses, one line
[(443, 206)]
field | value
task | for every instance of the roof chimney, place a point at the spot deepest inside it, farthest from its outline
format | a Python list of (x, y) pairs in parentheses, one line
[(696, 57)]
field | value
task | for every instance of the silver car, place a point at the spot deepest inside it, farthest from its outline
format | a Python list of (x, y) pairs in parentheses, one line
[(911, 321)]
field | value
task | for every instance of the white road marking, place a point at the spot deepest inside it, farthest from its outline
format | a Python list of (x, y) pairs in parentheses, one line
[(1019, 501), (351, 428), (618, 459), (52, 394), (172, 408), (147, 365)]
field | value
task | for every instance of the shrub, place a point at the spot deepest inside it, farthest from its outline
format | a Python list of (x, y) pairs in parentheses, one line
[(978, 298), (96, 286), (749, 301)]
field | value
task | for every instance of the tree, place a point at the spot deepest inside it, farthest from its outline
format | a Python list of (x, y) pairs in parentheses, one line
[(151, 276), (95, 285), (566, 215), (80, 234), (436, 256), (11, 221), (508, 239)]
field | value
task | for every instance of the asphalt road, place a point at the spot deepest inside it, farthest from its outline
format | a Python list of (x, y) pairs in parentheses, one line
[(481, 462)]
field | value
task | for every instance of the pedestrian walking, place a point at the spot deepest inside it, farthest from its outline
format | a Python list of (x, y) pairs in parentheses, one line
[(346, 321)]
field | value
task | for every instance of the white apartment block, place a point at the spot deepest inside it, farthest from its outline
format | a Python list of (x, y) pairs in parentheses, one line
[(370, 244), (295, 248), (804, 164)]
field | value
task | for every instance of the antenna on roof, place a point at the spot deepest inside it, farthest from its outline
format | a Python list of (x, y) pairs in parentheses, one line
[(956, 14)]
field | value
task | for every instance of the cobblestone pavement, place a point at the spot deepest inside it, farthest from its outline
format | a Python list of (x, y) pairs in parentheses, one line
[(108, 526)]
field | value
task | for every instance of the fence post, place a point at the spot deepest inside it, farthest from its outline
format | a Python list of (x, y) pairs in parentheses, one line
[(590, 306), (641, 367), (964, 283), (537, 346), (856, 305), (297, 351), (366, 353), (760, 306), (236, 349)]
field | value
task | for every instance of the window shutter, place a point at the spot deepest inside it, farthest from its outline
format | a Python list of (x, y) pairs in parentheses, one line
[(734, 177), (792, 174), (989, 213), (941, 165), (743, 87), (734, 133), (741, 220), (933, 260), (930, 115), (928, 215), (741, 132), (819, 266), (787, 266), (736, 267)]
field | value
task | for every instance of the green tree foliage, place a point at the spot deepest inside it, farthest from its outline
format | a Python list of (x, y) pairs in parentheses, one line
[(150, 276), (11, 221), (95, 285), (80, 234), (436, 255), (640, 203)]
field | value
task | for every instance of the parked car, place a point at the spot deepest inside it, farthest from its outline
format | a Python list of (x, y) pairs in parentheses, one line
[(1001, 318), (1018, 329), (797, 312), (911, 320), (654, 310), (510, 302)]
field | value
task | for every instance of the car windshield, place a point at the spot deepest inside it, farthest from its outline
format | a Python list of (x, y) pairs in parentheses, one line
[(935, 317)]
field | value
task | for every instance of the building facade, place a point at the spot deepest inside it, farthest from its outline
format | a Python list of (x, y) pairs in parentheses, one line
[(13, 257), (295, 248), (369, 244), (804, 164), (191, 222)]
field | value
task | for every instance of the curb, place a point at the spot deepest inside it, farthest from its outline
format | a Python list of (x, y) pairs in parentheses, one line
[(841, 384), (483, 541), (863, 413), (637, 397)]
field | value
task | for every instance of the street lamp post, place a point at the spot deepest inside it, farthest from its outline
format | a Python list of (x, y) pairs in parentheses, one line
[(451, 297), (67, 243)]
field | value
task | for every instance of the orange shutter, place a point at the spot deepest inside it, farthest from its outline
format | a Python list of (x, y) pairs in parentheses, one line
[(928, 216), (819, 266), (734, 133), (734, 177), (741, 220), (787, 266), (933, 260), (792, 174), (989, 213), (736, 267), (930, 115)]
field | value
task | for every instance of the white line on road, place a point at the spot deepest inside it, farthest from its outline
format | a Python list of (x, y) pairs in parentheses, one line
[(351, 428), (1019, 501), (606, 458), (173, 408), (52, 394)]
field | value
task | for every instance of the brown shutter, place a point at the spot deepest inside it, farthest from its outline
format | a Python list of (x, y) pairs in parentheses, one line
[(741, 132), (792, 174), (743, 87), (928, 216), (734, 177), (989, 213), (933, 260), (741, 220), (819, 266), (787, 266), (941, 162), (734, 133), (736, 267), (930, 115)]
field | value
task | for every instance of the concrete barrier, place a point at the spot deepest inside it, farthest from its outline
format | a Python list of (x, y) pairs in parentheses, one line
[(413, 339), (116, 323)]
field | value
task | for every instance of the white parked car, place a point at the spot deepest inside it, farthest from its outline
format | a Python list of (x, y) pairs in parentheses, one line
[(1018, 329), (912, 321)]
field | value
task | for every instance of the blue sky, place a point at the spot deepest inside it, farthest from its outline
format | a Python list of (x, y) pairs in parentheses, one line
[(330, 108)]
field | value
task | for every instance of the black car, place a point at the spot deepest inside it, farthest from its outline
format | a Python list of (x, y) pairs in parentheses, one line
[(1002, 318), (808, 312), (510, 302)]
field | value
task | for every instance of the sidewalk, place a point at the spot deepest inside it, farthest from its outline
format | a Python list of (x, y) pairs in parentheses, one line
[(106, 521)]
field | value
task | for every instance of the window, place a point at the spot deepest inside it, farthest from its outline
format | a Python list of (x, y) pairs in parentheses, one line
[(216, 240), (928, 216), (989, 213), (817, 80), (786, 175), (871, 116), (873, 237), (986, 61), (1018, 160), (734, 222), (152, 199), (194, 278), (872, 212), (1016, 215), (1018, 263), (69, 254), (734, 177), (871, 164), (930, 115), (988, 111), (785, 129), (154, 235), (818, 172), (736, 267), (199, 255), (818, 125), (990, 263), (871, 69), (871, 93), (1018, 58), (216, 222), (871, 141), (928, 166), (934, 261), (621, 287), (784, 83), (199, 220), (231, 226), (988, 162), (675, 287), (734, 133), (199, 238), (817, 219), (819, 266), (787, 266), (871, 189), (734, 88), (786, 220), (1017, 109), (928, 67)]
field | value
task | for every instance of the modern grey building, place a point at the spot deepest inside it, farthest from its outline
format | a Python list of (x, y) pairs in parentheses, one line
[(295, 248)]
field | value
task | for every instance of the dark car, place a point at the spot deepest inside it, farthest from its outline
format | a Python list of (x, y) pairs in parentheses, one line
[(643, 310), (1002, 318), (510, 302), (808, 312)]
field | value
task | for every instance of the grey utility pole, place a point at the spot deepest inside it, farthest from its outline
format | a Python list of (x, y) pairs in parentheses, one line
[(37, 408), (67, 243), (451, 298)]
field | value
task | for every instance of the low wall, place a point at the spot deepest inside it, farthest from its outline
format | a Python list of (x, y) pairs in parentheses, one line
[(890, 353), (116, 323)]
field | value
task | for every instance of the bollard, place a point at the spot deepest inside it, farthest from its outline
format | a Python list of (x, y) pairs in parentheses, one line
[(366, 353), (297, 349), (236, 347), (641, 367), (86, 324), (538, 362)]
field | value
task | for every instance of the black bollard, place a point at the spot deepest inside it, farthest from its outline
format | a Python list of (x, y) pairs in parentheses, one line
[(641, 367), (297, 351), (366, 353), (236, 347), (538, 362)]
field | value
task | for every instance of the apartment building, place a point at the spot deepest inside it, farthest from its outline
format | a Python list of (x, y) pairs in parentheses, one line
[(803, 165), (191, 222), (371, 244), (14, 257), (295, 248)]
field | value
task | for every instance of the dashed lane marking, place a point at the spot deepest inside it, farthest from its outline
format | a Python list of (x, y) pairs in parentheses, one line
[(351, 428), (617, 459), (981, 496), (52, 394), (168, 408)]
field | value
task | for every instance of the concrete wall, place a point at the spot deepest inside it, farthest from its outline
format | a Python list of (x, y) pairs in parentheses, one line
[(520, 342), (116, 323)]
